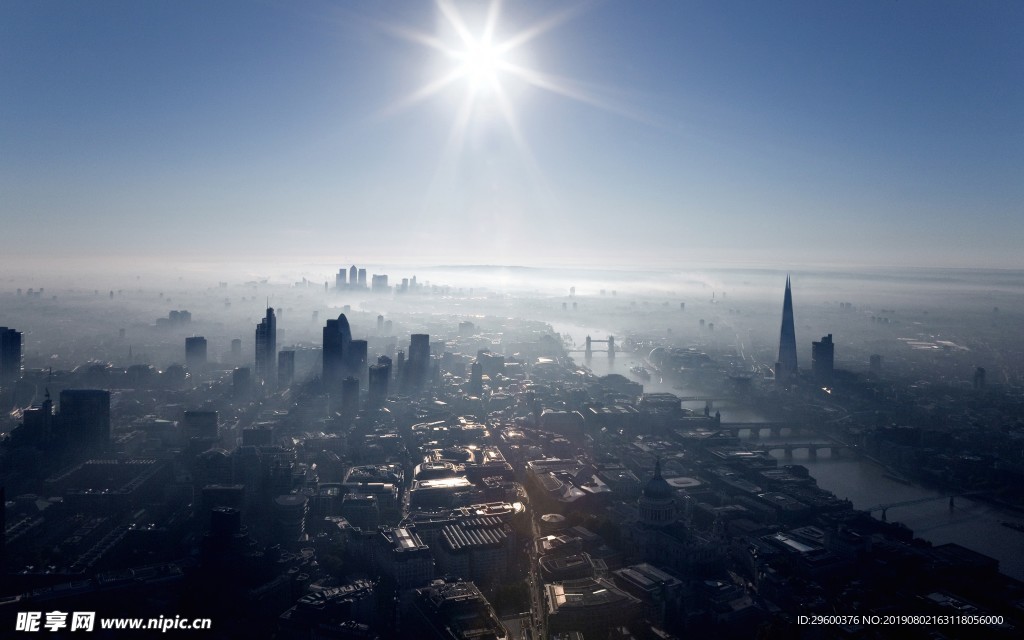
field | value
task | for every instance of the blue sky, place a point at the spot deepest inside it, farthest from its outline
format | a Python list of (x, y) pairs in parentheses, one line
[(878, 133)]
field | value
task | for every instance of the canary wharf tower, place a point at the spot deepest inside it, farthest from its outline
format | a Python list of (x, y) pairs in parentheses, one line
[(785, 368)]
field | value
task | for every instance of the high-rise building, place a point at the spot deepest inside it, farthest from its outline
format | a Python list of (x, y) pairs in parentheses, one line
[(355, 359), (362, 278), (337, 338), (10, 356), (236, 350), (285, 369), (353, 276), (339, 280), (418, 365), (195, 352), (350, 396), (266, 348), (379, 283), (823, 359), (380, 376), (785, 368), (85, 417)]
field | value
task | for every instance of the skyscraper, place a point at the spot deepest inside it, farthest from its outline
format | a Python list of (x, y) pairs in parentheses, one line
[(417, 368), (785, 368), (195, 352), (266, 349), (10, 356), (339, 280), (823, 359), (337, 340), (353, 276)]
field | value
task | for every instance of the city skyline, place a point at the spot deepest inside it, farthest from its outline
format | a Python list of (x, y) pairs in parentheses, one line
[(876, 134)]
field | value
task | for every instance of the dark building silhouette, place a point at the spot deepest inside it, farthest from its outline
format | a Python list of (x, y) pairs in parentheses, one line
[(979, 378), (337, 336), (379, 376), (10, 356), (785, 368), (241, 382), (355, 359), (285, 368), (200, 424), (476, 378), (195, 352), (418, 365), (85, 418), (350, 396), (823, 359), (266, 348), (876, 363)]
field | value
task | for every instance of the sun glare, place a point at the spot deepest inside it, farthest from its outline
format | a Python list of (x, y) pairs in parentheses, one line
[(480, 65)]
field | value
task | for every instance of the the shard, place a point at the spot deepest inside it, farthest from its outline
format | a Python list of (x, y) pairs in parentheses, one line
[(785, 368)]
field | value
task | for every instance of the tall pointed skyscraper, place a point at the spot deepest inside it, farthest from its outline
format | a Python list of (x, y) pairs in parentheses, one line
[(266, 349), (785, 368)]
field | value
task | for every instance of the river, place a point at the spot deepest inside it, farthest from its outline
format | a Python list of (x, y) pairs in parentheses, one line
[(973, 524)]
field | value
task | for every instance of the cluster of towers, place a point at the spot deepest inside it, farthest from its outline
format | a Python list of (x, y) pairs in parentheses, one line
[(354, 278)]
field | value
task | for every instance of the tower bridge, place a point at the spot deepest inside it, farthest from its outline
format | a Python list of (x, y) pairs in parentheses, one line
[(588, 351)]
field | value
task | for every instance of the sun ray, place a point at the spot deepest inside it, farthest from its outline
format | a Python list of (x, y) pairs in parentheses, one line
[(547, 24), (421, 94)]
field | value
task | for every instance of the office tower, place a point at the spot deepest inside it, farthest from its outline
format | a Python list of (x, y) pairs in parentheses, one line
[(337, 336), (380, 375), (241, 382), (379, 283), (476, 379), (10, 356), (350, 396), (417, 368), (339, 280), (200, 424), (236, 349), (785, 368), (353, 276), (355, 359), (195, 352), (380, 324), (285, 368), (37, 421), (362, 278), (85, 417), (266, 348), (823, 359)]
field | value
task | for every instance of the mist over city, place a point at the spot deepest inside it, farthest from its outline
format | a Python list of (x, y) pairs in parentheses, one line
[(511, 321)]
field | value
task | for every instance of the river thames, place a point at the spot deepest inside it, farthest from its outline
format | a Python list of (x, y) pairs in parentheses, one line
[(973, 524)]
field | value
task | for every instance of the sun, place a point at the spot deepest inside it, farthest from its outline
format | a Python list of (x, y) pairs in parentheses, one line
[(480, 64)]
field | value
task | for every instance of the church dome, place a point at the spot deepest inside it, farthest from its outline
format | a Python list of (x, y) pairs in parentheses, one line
[(657, 503), (657, 488)]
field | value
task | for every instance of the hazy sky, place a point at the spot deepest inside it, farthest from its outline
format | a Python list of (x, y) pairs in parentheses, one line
[(651, 133)]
